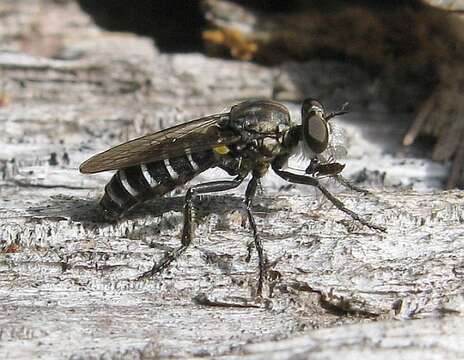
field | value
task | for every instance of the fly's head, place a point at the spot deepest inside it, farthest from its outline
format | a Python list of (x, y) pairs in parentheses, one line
[(315, 127), (321, 141)]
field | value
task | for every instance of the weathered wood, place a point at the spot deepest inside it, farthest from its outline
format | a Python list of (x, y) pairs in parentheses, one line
[(434, 340), (63, 272), (68, 285)]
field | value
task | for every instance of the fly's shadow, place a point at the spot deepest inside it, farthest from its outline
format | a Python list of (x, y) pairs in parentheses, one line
[(69, 208), (89, 213), (89, 210)]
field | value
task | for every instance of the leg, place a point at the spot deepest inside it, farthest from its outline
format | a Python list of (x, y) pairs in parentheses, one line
[(329, 169), (187, 230), (301, 179), (349, 185), (333, 169), (249, 195), (313, 165)]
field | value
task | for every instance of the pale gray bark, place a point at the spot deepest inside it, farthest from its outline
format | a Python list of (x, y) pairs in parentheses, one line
[(68, 285)]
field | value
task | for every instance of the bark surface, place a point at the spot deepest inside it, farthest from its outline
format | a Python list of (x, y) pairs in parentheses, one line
[(68, 279)]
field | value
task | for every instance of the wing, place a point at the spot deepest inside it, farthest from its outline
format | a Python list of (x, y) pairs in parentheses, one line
[(196, 135)]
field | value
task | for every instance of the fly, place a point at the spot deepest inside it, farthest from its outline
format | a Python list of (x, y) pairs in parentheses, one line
[(249, 139)]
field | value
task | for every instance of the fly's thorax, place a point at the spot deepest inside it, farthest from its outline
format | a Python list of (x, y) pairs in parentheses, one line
[(267, 137), (258, 108), (259, 117), (261, 124), (273, 125), (270, 147)]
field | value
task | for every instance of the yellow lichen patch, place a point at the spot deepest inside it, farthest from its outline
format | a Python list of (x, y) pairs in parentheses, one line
[(239, 46), (5, 99), (221, 150)]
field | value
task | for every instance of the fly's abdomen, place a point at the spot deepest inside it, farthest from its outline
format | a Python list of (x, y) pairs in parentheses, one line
[(136, 184)]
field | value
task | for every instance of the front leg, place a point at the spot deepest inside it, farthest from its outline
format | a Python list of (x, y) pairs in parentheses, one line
[(319, 166), (307, 180), (327, 169)]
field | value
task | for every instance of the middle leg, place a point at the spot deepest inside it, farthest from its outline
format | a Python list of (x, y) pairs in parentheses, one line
[(249, 196)]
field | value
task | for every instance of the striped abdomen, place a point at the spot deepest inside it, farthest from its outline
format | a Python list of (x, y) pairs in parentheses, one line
[(139, 183)]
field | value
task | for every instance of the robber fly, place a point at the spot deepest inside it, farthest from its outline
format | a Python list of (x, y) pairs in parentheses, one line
[(249, 139)]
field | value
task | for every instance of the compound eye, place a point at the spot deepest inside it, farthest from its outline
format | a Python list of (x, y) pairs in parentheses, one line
[(311, 105), (315, 131)]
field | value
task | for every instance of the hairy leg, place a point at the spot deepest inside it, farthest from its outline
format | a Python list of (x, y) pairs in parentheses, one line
[(307, 180), (187, 231), (249, 195)]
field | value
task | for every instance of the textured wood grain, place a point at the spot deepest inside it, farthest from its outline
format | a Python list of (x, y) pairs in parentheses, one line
[(68, 285), (68, 281)]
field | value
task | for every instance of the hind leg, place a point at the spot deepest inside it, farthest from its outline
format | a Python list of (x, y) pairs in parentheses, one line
[(187, 231)]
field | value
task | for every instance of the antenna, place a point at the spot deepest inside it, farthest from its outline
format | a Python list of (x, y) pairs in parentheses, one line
[(338, 113)]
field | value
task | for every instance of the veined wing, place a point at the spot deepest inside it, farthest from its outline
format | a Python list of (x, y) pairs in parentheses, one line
[(195, 136)]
